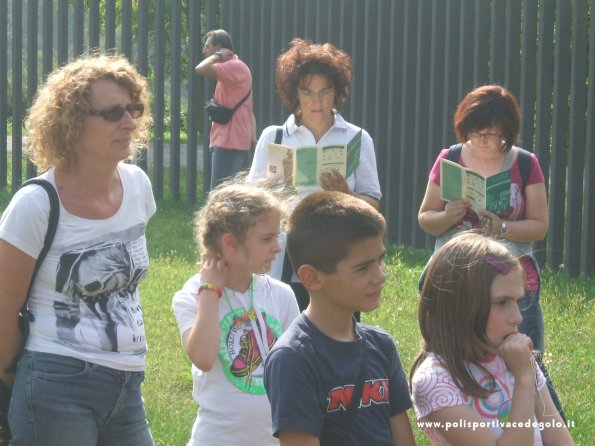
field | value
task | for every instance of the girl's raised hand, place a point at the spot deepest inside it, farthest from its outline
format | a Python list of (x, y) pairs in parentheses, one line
[(516, 350), (214, 271), (333, 180)]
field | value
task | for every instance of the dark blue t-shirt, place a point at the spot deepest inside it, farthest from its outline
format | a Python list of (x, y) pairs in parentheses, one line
[(309, 379)]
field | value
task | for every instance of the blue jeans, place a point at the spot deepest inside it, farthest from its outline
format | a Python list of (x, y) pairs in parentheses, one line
[(225, 163), (58, 400), (533, 327)]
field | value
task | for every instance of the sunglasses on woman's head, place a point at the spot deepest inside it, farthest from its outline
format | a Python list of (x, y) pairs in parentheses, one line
[(115, 113)]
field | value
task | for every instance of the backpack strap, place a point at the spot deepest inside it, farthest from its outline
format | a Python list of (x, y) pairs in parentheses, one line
[(454, 153), (25, 315), (525, 165)]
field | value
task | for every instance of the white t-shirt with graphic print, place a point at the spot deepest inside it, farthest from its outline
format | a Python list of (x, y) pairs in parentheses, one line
[(234, 409), (85, 299)]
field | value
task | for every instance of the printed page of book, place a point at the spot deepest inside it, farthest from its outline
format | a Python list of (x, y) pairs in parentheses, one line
[(475, 191), (333, 158), (280, 160), (451, 180)]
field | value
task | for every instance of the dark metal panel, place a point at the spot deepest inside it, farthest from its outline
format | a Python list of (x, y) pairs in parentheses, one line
[(175, 92), (559, 134), (32, 30), (576, 139), (543, 106), (435, 123), (3, 92), (94, 24), (389, 156), (512, 64), (466, 45), (194, 99), (110, 24), (528, 73), (407, 124), (588, 255), (78, 39), (211, 11), (451, 39), (62, 32), (142, 60), (159, 103), (481, 44), (17, 94), (497, 42), (48, 16), (126, 29), (420, 154)]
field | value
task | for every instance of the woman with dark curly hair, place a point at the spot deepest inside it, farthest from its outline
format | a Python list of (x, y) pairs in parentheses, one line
[(78, 380), (313, 81)]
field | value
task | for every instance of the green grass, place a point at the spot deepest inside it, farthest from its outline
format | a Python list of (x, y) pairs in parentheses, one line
[(568, 305)]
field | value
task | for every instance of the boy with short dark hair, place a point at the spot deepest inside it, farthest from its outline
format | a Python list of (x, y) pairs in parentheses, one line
[(335, 243)]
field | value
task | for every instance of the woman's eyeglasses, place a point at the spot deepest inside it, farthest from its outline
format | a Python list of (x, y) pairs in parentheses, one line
[(114, 114), (490, 136)]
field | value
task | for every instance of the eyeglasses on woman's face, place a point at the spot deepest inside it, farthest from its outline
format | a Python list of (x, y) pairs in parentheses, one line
[(115, 113), (321, 95), (489, 136)]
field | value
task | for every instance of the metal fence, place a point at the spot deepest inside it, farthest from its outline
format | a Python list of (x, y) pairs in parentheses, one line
[(413, 59)]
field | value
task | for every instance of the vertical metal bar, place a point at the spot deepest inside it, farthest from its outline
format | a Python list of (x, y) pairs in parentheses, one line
[(94, 24), (175, 92), (543, 112), (481, 43), (194, 46), (3, 93), (142, 61), (62, 32), (78, 44), (528, 73), (420, 156), (559, 135), (126, 29), (497, 42), (576, 139), (588, 255), (110, 24), (32, 32), (466, 44), (512, 42), (17, 94), (159, 91), (48, 15)]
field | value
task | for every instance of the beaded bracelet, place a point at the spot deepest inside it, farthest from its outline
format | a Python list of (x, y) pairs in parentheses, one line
[(210, 286)]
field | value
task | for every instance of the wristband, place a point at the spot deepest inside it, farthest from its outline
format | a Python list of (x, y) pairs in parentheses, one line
[(210, 286)]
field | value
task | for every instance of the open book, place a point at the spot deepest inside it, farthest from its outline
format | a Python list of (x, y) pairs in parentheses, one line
[(302, 166), (458, 182)]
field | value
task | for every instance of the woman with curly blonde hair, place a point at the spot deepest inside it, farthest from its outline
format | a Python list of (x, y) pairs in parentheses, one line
[(78, 379), (313, 81)]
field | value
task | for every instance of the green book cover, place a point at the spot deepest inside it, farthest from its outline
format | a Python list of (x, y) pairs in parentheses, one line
[(458, 182)]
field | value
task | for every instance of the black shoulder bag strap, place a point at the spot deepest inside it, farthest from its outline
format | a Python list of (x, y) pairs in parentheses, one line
[(340, 431), (242, 101), (287, 271), (25, 315)]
